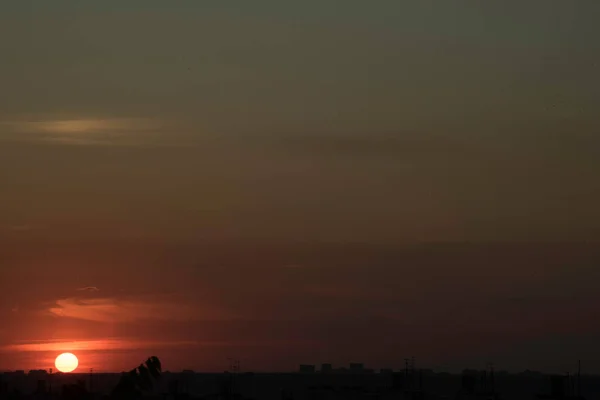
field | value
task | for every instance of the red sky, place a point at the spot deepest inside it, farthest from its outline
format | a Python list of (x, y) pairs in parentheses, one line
[(274, 306), (275, 182)]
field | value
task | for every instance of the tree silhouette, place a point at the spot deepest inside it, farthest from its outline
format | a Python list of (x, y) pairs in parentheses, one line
[(141, 379)]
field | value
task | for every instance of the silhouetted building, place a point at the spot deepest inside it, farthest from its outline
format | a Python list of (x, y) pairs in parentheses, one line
[(326, 368), (38, 374), (188, 372), (357, 367), (307, 369)]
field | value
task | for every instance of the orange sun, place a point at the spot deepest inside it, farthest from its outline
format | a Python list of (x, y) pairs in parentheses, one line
[(66, 362)]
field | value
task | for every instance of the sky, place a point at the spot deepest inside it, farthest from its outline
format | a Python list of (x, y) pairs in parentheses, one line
[(306, 182)]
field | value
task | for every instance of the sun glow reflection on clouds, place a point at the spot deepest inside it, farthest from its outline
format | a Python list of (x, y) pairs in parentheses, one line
[(84, 131), (110, 309), (133, 344), (94, 345)]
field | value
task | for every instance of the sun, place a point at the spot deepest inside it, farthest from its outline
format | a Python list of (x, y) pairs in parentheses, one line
[(66, 362)]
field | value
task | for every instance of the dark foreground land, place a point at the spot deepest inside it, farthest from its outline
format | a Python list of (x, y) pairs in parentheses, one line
[(314, 386)]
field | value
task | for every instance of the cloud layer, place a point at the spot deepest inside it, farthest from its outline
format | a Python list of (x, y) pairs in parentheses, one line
[(93, 345), (83, 131), (113, 310)]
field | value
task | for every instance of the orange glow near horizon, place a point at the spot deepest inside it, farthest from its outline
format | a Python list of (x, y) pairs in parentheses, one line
[(66, 362)]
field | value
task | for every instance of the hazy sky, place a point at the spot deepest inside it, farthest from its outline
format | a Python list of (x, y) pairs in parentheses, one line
[(275, 181)]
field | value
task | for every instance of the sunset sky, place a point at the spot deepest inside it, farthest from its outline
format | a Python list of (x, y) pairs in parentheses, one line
[(300, 182)]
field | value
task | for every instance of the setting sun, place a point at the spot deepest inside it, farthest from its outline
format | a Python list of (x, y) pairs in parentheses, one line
[(66, 362)]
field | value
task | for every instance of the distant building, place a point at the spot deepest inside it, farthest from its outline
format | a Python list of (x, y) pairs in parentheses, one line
[(307, 369), (386, 371), (38, 373), (357, 367), (326, 368), (188, 372)]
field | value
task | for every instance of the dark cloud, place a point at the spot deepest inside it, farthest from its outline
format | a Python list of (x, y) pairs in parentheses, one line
[(88, 289)]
